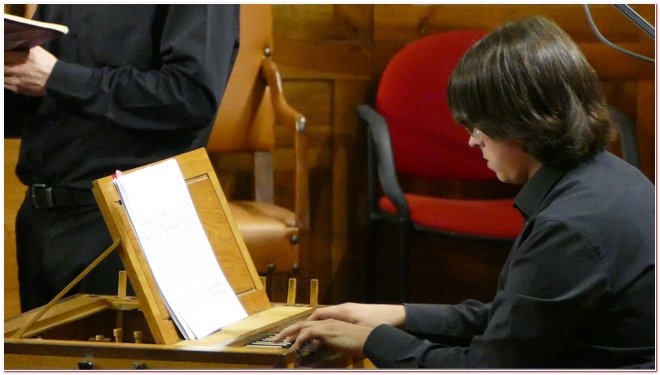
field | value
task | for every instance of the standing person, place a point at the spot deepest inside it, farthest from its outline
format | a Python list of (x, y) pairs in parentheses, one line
[(578, 287), (129, 85)]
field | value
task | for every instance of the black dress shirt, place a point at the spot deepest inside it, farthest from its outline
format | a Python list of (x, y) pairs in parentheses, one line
[(133, 84), (577, 290)]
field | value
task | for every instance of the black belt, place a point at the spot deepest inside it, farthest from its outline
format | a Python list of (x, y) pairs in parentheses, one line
[(43, 196)]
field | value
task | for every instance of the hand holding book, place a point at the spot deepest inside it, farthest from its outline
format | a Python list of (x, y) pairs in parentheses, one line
[(27, 72)]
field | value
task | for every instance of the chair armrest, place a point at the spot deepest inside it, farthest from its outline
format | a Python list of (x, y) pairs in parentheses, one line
[(380, 146), (295, 122), (284, 113)]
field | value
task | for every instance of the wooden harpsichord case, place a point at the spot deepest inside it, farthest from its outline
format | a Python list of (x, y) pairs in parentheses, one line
[(125, 332)]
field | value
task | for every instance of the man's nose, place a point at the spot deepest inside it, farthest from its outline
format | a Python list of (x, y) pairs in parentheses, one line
[(473, 142)]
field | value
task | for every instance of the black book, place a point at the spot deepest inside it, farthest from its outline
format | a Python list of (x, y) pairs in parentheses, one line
[(23, 33)]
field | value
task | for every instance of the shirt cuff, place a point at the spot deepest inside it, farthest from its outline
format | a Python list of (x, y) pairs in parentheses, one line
[(424, 318), (69, 81), (386, 345)]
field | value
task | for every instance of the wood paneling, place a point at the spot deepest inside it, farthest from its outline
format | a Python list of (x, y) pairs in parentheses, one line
[(409, 22), (14, 193), (324, 22), (331, 57), (646, 119)]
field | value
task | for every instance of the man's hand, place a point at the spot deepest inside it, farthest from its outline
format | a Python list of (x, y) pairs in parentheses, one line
[(363, 314), (26, 72), (337, 335), (344, 327)]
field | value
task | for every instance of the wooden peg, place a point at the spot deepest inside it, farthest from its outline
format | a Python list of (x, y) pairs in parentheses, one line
[(137, 335), (121, 287), (291, 295), (119, 320), (99, 338), (121, 294), (118, 333), (314, 292), (263, 281)]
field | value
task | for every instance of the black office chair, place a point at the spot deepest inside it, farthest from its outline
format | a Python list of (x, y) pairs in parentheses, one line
[(628, 136)]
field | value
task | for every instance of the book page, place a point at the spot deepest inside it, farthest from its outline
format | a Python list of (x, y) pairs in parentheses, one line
[(179, 254)]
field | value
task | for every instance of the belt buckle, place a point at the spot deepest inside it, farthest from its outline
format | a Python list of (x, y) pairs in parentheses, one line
[(36, 194)]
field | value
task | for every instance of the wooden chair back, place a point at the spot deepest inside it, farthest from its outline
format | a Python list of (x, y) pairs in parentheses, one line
[(252, 117)]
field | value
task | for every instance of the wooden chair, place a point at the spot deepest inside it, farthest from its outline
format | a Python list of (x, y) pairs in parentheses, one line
[(246, 124)]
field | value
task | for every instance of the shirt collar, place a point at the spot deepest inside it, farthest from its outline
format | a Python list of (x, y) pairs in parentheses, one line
[(529, 198)]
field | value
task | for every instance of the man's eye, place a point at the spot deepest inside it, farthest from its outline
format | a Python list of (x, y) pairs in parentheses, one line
[(472, 132)]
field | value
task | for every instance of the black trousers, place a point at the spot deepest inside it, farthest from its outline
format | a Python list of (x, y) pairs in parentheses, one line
[(53, 245)]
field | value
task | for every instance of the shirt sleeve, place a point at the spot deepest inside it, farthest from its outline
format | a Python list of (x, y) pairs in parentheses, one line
[(457, 323), (554, 280), (198, 46)]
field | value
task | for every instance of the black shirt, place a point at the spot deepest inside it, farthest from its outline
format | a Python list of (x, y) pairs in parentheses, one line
[(133, 84), (577, 290)]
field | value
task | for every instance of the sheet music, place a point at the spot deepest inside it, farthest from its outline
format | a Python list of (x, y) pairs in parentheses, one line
[(195, 289)]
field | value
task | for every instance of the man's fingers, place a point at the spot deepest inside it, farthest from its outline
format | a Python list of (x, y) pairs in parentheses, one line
[(12, 80), (10, 70), (304, 336), (335, 334), (319, 314), (288, 332), (11, 84), (298, 333)]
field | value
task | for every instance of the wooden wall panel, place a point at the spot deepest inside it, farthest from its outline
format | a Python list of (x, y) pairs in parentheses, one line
[(325, 22), (315, 102), (343, 49), (348, 170), (646, 131), (13, 196), (410, 22)]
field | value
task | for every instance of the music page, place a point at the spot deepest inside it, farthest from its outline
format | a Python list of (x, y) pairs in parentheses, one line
[(161, 211)]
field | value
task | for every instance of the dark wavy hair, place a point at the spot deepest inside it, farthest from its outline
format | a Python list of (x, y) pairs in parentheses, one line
[(528, 81)]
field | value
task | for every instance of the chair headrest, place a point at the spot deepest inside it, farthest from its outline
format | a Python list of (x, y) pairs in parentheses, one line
[(412, 96)]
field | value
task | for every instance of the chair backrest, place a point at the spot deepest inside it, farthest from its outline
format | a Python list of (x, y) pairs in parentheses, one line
[(245, 118), (412, 97), (627, 136), (245, 121), (252, 105)]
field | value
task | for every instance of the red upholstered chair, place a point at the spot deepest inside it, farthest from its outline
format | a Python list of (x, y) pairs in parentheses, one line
[(411, 131)]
